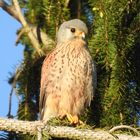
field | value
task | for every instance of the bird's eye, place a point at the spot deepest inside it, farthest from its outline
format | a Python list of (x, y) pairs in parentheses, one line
[(73, 30)]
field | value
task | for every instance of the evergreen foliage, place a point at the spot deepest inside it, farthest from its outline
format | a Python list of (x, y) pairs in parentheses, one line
[(114, 42)]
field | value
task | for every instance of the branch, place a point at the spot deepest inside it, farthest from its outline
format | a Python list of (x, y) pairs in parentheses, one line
[(32, 128), (9, 9), (67, 3), (124, 127), (10, 103), (44, 38), (15, 11), (31, 36)]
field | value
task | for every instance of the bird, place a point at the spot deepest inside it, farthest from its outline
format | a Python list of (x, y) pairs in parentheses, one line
[(68, 75)]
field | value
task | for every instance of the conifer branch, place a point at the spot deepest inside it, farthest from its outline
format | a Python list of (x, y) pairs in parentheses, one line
[(32, 128), (45, 39), (20, 34), (10, 9), (30, 34), (15, 12)]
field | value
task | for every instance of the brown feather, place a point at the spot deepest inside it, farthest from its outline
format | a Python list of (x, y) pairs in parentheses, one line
[(66, 80)]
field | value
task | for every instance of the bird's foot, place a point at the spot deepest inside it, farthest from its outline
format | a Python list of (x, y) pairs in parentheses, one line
[(74, 120)]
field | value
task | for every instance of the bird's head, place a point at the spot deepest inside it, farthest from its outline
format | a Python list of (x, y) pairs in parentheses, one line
[(72, 29)]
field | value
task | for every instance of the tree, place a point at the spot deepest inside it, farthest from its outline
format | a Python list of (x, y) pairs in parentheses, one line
[(113, 41), (116, 33)]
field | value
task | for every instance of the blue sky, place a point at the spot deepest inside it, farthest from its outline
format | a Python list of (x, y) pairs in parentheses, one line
[(10, 58)]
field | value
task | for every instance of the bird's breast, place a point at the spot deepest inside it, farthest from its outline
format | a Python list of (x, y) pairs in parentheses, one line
[(70, 60)]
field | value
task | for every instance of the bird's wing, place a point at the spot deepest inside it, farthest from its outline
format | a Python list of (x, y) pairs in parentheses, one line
[(94, 76), (91, 82), (44, 74)]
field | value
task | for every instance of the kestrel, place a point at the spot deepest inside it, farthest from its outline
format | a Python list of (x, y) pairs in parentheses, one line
[(68, 77)]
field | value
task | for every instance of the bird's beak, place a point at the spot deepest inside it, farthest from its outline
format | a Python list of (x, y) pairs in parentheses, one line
[(81, 35)]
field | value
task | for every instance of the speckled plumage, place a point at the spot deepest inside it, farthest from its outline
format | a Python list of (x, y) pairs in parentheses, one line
[(68, 75)]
